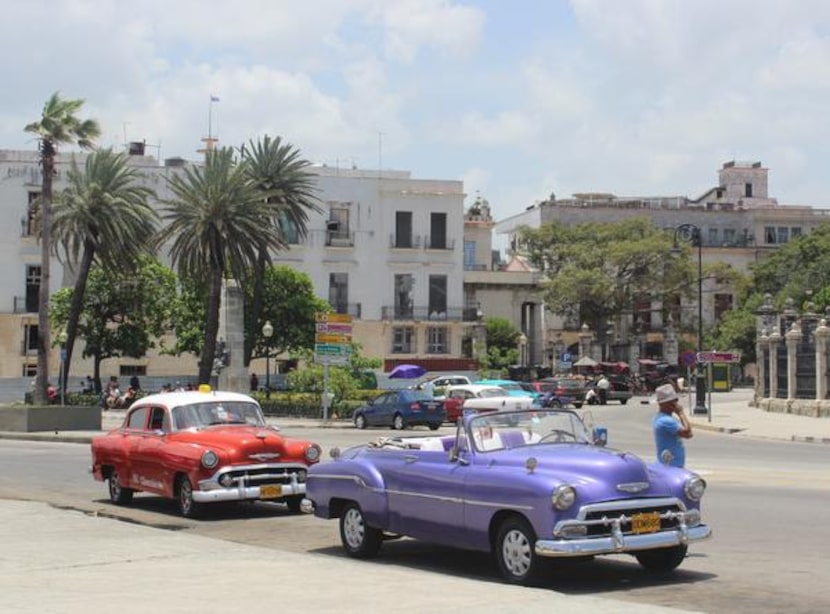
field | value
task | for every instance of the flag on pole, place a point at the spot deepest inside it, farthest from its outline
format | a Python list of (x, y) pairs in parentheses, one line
[(214, 98)]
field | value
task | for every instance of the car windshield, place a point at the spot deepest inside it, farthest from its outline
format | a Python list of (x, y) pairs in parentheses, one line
[(505, 430), (416, 395), (200, 415), (510, 386)]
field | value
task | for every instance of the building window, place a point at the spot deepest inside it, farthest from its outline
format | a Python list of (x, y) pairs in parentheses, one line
[(438, 231), (469, 255), (437, 297), (713, 236), (723, 303), (30, 338), (33, 274), (748, 190), (438, 340), (404, 300), (339, 292), (288, 229), (337, 227), (729, 236), (674, 309), (783, 234), (403, 340), (31, 225), (642, 312), (769, 235), (403, 229), (795, 231), (29, 370)]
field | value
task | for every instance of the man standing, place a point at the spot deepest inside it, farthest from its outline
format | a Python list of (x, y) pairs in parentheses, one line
[(668, 431), (603, 385)]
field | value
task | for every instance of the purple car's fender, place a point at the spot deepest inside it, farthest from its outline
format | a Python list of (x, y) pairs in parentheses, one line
[(333, 483)]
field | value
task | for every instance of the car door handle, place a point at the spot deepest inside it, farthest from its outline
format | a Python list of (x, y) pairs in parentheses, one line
[(410, 458)]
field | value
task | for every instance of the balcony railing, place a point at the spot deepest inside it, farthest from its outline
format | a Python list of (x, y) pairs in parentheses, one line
[(352, 309), (21, 305), (338, 238), (405, 241), (423, 314), (440, 243)]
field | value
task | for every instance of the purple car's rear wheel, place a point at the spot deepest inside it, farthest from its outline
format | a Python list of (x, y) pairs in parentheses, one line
[(359, 540), (515, 552)]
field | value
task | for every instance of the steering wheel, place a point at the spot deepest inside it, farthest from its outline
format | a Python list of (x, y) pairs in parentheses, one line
[(560, 436)]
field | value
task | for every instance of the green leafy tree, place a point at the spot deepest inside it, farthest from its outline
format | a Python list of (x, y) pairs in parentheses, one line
[(102, 217), (502, 344), (290, 304), (58, 125), (282, 176), (599, 270), (122, 314), (218, 224)]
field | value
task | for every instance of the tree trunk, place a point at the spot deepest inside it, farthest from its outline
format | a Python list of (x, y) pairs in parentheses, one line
[(252, 332), (211, 325), (40, 396), (77, 305)]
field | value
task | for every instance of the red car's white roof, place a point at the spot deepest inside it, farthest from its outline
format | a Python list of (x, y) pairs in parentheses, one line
[(190, 397)]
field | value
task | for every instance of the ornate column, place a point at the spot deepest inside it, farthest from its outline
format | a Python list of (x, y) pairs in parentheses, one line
[(793, 338), (774, 341), (822, 334), (761, 349), (585, 338)]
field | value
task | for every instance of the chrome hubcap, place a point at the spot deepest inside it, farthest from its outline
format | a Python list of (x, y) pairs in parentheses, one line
[(353, 528), (516, 553)]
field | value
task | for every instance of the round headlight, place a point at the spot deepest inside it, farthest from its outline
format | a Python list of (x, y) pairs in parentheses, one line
[(695, 487), (210, 459), (312, 453), (563, 497)]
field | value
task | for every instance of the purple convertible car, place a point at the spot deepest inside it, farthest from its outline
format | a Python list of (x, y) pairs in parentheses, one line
[(524, 485)]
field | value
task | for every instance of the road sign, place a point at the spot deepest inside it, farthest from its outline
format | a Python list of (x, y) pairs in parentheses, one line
[(342, 318), (566, 357), (331, 327), (332, 349), (688, 358), (728, 357), (332, 360), (332, 338)]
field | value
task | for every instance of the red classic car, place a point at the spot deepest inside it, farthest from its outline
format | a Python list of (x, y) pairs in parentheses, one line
[(201, 447)]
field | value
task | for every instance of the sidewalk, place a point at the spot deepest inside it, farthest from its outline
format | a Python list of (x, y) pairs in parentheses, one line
[(731, 414)]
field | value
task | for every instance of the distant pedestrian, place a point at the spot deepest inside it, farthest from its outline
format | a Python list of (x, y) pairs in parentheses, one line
[(668, 431), (603, 386), (134, 383), (254, 382)]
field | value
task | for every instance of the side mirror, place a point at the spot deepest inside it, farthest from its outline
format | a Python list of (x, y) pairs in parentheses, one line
[(600, 434)]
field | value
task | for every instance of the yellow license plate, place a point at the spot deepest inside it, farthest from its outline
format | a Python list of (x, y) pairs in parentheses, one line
[(645, 523), (270, 492)]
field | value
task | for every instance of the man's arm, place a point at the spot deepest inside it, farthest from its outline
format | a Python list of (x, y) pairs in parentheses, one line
[(685, 426)]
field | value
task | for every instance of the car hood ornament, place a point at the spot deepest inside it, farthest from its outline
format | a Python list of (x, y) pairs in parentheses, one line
[(633, 487), (264, 456)]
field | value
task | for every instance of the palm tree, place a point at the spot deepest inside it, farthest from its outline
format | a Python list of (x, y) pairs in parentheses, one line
[(58, 124), (218, 223), (102, 217), (281, 175)]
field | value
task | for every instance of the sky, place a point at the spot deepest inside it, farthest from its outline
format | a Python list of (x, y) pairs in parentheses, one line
[(517, 98)]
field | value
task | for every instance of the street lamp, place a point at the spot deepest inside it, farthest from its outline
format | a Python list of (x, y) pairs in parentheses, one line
[(62, 338), (267, 332), (691, 234)]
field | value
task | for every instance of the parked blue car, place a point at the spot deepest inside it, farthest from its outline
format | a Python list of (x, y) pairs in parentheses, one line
[(522, 485), (401, 408)]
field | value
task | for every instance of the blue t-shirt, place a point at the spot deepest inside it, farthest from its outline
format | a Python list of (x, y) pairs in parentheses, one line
[(670, 450)]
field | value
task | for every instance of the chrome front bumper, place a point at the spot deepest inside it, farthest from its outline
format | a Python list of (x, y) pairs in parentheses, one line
[(285, 477), (619, 543)]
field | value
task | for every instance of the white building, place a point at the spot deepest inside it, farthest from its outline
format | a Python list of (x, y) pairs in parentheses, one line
[(387, 249)]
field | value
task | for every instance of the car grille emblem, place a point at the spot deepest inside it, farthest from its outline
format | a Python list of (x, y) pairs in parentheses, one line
[(264, 456), (633, 487)]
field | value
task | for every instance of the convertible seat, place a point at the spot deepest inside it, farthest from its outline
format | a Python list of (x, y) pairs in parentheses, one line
[(512, 439)]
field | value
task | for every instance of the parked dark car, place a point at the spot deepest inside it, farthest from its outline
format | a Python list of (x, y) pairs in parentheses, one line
[(400, 409), (565, 387)]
